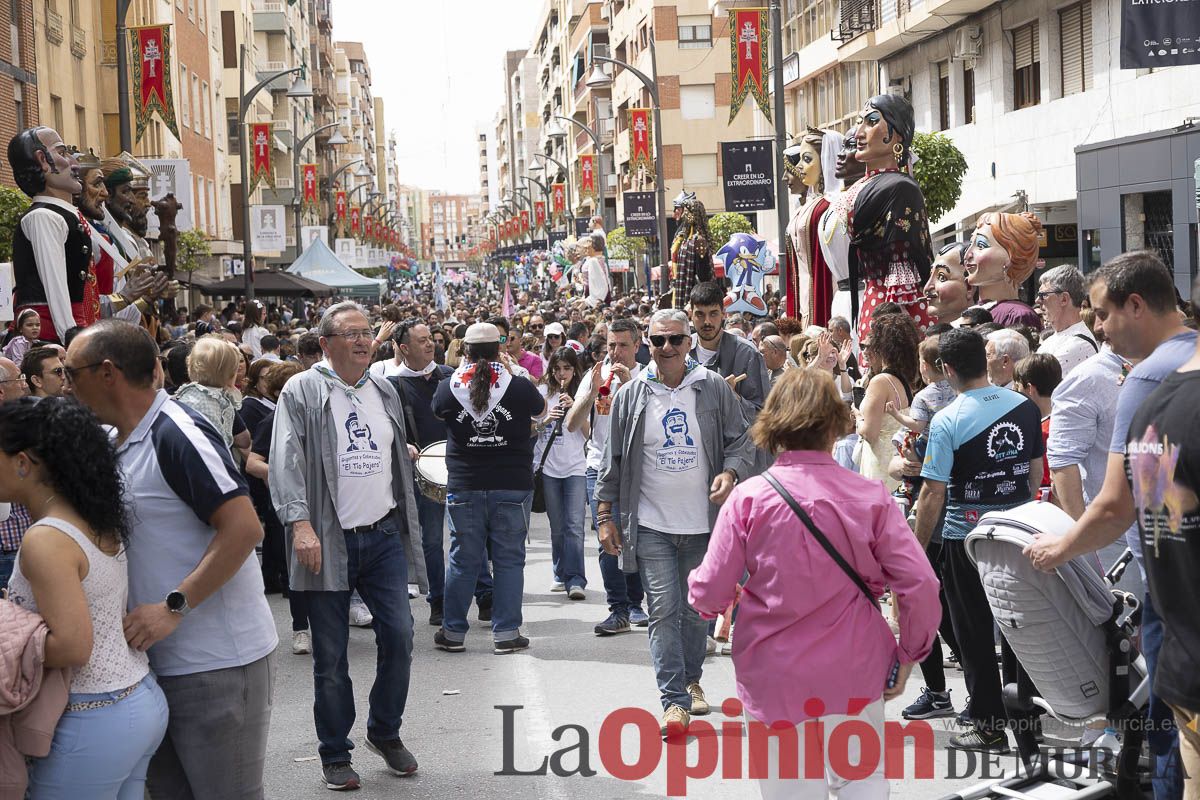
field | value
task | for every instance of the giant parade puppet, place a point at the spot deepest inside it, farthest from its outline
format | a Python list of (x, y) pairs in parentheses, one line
[(691, 250), (809, 167)]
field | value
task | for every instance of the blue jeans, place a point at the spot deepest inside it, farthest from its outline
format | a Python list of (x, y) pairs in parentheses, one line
[(564, 507), (432, 516), (483, 522), (378, 570), (678, 635), (623, 589), (7, 562), (103, 753), (1163, 738)]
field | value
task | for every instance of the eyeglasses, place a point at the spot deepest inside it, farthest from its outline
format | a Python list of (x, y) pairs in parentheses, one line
[(676, 339), (72, 373), (1044, 295), (352, 336), (536, 327)]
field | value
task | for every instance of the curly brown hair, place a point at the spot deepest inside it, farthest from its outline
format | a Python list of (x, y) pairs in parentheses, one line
[(893, 345)]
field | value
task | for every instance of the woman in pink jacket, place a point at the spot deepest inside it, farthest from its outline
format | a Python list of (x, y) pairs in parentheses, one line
[(810, 642)]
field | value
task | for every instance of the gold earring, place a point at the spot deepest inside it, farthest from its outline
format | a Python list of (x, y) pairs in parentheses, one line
[(898, 151)]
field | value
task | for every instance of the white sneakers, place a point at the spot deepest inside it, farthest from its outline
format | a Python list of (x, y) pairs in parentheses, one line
[(360, 617), (301, 643)]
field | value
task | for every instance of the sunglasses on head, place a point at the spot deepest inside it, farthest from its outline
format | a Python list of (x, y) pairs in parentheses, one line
[(676, 339)]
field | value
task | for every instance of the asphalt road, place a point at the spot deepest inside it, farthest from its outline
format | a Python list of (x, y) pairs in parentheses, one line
[(568, 677)]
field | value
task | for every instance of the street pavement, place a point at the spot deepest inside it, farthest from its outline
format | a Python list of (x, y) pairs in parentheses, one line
[(569, 676)]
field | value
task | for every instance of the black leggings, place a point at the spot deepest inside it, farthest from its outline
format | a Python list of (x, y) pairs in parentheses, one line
[(933, 668)]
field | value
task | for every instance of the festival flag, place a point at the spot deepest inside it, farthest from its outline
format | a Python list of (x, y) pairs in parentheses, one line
[(355, 220), (641, 129), (308, 179), (524, 221), (749, 34), (506, 310), (539, 213), (151, 45), (558, 194), (587, 176), (368, 228), (260, 167), (339, 206)]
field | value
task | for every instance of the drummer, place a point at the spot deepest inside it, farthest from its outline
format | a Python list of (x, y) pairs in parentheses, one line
[(416, 379), (489, 414)]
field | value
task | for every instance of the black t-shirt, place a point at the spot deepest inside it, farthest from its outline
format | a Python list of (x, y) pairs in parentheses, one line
[(1162, 464), (417, 397), (497, 452)]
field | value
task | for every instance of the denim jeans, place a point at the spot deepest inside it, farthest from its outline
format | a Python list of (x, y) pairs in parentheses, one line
[(378, 570), (103, 752), (432, 516), (678, 635), (7, 562), (623, 589), (564, 507), (482, 522)]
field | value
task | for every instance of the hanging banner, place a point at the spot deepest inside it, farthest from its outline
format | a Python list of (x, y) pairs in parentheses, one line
[(749, 35), (268, 232), (524, 221), (748, 174), (583, 227), (339, 206), (1150, 35), (641, 218), (587, 176), (151, 47), (260, 167), (558, 198), (308, 179), (310, 233), (355, 218), (640, 131), (368, 228), (539, 213)]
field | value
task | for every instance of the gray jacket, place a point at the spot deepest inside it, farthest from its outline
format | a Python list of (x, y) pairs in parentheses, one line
[(738, 356), (723, 433), (303, 480)]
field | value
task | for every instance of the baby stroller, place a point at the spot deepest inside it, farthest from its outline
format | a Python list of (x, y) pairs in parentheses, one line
[(1073, 636)]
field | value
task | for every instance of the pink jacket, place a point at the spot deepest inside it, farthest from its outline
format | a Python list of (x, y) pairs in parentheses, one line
[(32, 698), (804, 631)]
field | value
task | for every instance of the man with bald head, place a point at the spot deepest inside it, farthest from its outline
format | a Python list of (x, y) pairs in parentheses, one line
[(12, 382), (775, 356)]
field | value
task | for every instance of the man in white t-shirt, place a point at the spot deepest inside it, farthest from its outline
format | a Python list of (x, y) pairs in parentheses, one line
[(352, 525), (1060, 295), (593, 401)]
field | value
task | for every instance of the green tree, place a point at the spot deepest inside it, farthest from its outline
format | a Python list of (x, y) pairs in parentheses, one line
[(13, 204), (192, 247), (939, 171), (622, 245), (726, 224)]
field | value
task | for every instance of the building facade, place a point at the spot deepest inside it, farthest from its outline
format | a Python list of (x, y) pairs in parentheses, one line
[(19, 107)]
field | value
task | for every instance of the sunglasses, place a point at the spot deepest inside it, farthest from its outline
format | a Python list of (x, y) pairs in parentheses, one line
[(676, 339), (536, 327)]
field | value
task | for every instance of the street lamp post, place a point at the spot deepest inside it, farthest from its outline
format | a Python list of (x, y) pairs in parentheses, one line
[(297, 89), (599, 78), (298, 195), (595, 137), (123, 76), (566, 180), (333, 182)]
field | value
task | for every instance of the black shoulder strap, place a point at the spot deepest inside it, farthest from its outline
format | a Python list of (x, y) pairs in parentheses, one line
[(820, 537), (558, 426), (1092, 342)]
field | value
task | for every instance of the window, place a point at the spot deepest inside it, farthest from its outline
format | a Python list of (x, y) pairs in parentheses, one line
[(229, 48), (185, 104), (1027, 67), (700, 170), (201, 13), (969, 93), (80, 128), (191, 4), (695, 32), (212, 208), (697, 102), (206, 108), (834, 98), (1075, 45), (943, 70), (197, 103), (807, 21), (57, 112), (201, 220)]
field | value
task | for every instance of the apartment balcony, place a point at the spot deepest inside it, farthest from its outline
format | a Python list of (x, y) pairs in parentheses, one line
[(78, 41), (324, 15), (270, 16), (54, 26), (873, 30), (266, 69)]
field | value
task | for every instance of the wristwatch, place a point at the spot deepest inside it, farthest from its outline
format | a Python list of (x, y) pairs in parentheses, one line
[(177, 603)]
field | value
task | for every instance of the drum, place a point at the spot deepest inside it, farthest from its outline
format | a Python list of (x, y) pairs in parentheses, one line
[(431, 472)]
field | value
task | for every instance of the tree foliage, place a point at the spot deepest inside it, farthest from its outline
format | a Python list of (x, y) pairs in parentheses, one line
[(726, 224), (622, 245), (939, 170), (192, 246), (13, 204)]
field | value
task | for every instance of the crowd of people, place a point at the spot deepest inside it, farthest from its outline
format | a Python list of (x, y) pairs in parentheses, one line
[(754, 483)]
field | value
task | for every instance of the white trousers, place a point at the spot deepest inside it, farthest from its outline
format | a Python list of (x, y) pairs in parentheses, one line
[(873, 787)]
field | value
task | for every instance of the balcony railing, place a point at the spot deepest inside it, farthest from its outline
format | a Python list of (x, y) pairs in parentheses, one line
[(54, 26), (856, 18), (78, 41)]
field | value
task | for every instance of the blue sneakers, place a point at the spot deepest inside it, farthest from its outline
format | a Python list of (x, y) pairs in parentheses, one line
[(929, 705)]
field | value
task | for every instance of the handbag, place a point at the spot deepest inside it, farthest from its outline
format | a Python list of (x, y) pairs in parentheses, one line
[(539, 488), (820, 537)]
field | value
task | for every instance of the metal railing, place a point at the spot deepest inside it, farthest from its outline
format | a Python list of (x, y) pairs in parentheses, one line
[(54, 26), (78, 41), (855, 18)]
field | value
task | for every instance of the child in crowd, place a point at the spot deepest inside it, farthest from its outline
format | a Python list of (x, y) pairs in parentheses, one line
[(937, 394), (212, 369), (1036, 376)]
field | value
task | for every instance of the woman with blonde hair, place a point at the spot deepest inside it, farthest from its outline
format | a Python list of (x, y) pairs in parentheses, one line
[(1002, 254), (819, 543), (212, 369)]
